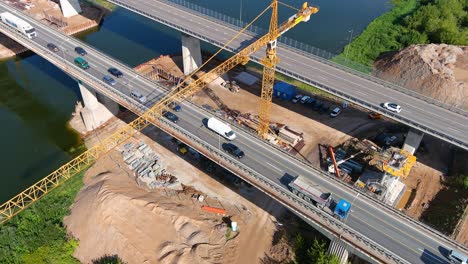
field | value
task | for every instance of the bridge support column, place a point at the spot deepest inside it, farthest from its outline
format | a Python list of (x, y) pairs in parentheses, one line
[(191, 53), (70, 7), (338, 248), (94, 113), (412, 141)]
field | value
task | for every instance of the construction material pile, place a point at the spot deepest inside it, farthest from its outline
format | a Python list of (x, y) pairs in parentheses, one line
[(143, 161)]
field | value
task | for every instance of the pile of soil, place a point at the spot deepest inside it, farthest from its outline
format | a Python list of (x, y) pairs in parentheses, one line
[(113, 216), (437, 71)]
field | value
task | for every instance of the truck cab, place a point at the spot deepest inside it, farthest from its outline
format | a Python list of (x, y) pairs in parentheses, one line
[(342, 209)]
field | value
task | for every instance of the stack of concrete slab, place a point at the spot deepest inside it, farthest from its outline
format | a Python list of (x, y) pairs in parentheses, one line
[(144, 162)]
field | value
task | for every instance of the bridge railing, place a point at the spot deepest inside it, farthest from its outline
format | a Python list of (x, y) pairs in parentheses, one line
[(125, 100), (307, 50), (286, 197), (333, 91)]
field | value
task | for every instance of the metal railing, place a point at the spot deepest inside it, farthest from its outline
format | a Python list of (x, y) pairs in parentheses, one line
[(283, 195), (78, 73), (306, 50), (311, 82)]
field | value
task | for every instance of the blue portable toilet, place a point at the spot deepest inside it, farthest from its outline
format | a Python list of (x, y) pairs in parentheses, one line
[(284, 90)]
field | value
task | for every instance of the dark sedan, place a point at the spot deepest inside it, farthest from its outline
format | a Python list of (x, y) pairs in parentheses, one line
[(171, 116), (233, 150), (115, 72), (52, 47), (80, 51)]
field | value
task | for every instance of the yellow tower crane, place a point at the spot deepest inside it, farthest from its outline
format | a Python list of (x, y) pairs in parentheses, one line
[(270, 60), (179, 93)]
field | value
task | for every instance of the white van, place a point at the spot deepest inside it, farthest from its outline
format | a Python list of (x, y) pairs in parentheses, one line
[(138, 96), (457, 257), (221, 128)]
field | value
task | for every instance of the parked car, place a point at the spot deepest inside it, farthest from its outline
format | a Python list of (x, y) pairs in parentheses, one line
[(392, 107), (176, 107), (80, 51), (324, 108), (82, 63), (318, 105), (335, 112), (109, 80), (310, 101), (374, 115), (138, 96), (304, 99), (115, 72), (233, 150), (171, 116), (297, 98), (52, 47)]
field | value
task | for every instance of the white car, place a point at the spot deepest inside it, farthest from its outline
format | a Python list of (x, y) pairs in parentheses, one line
[(335, 112), (297, 98), (392, 107), (138, 96), (304, 99)]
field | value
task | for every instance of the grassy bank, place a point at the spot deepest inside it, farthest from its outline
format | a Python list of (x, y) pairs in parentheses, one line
[(107, 5), (37, 235), (411, 22)]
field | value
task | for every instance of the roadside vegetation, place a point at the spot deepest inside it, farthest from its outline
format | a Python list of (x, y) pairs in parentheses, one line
[(104, 3), (410, 22), (312, 251), (37, 235)]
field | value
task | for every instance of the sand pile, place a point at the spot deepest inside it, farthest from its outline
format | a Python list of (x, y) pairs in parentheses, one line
[(112, 215), (439, 71)]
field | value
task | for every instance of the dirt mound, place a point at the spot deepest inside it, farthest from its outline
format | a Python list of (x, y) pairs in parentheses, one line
[(114, 216), (437, 71)]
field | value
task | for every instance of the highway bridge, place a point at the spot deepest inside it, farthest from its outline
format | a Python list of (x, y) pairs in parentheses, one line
[(376, 230), (419, 112)]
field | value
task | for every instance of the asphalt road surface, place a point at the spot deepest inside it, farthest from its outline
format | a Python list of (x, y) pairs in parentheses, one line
[(398, 235), (444, 122)]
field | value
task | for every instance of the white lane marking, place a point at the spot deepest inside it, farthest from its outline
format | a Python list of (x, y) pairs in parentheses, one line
[(274, 167)]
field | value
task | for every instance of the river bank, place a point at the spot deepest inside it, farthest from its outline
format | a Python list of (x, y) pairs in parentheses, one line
[(409, 22)]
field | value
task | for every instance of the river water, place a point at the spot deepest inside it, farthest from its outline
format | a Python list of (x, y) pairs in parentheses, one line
[(37, 99)]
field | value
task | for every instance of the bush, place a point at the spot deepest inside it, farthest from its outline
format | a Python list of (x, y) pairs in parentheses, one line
[(36, 235)]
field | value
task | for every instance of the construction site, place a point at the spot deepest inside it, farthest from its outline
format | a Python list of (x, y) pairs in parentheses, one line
[(49, 13), (158, 190)]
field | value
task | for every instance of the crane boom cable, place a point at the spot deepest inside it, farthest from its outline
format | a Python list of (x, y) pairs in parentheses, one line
[(86, 159)]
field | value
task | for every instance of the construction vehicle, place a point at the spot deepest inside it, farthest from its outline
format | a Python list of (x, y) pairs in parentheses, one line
[(342, 209), (182, 91), (310, 192), (346, 164), (232, 86)]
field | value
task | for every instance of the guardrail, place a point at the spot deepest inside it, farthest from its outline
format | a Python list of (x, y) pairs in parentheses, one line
[(285, 196), (309, 81), (139, 108), (303, 49)]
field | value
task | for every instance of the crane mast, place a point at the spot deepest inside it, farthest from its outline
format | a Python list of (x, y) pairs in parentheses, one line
[(183, 91)]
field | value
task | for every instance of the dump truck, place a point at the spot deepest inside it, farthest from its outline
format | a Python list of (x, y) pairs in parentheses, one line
[(310, 192), (342, 209)]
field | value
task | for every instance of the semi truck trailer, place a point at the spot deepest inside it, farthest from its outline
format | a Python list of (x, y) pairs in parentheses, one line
[(310, 192), (18, 24)]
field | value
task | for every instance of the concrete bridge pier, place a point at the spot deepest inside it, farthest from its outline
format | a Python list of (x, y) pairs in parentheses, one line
[(70, 7), (191, 53), (412, 141), (338, 248), (95, 113)]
